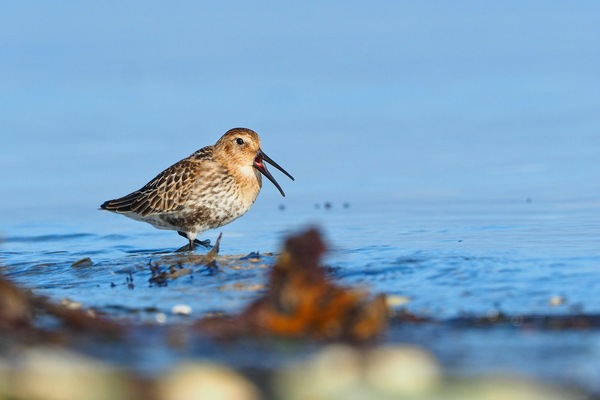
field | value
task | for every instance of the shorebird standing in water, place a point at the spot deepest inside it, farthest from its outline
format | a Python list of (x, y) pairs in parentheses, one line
[(206, 190)]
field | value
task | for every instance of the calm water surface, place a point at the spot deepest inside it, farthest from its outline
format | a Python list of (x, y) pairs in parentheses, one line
[(449, 259)]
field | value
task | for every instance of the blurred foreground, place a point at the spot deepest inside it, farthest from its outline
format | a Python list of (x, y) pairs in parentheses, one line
[(47, 350)]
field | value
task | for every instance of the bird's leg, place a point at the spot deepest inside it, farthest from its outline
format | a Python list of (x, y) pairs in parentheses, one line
[(205, 243), (190, 246)]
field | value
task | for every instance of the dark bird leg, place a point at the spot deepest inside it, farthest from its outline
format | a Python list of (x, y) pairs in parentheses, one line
[(204, 243)]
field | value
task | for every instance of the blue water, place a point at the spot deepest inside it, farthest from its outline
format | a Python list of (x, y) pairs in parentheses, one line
[(457, 144)]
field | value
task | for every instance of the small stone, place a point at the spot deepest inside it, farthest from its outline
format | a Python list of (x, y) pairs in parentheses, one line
[(71, 304), (83, 263), (556, 301), (205, 381), (160, 318), (402, 371), (49, 373), (181, 309), (494, 388), (394, 301), (331, 373)]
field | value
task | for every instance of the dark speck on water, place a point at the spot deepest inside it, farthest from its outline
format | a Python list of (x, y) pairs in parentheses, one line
[(129, 280), (255, 255), (83, 263)]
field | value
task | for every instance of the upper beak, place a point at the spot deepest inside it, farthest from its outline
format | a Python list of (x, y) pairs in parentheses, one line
[(259, 165)]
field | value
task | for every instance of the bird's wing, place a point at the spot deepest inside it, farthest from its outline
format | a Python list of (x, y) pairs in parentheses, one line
[(167, 192)]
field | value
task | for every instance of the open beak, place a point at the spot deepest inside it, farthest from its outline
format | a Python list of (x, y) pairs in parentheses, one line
[(259, 165)]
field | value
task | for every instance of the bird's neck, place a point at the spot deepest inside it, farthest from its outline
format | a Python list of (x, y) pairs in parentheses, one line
[(249, 181)]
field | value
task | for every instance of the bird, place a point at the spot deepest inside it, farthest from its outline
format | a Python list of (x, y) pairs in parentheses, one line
[(207, 190)]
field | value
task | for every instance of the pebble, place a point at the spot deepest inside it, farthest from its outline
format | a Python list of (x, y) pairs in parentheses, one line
[(160, 318), (181, 309), (83, 263), (343, 372), (55, 374), (556, 301), (397, 372), (402, 370), (205, 381), (336, 372), (71, 304), (394, 301)]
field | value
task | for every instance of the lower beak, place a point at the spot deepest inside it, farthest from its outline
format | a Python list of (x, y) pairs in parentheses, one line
[(259, 165)]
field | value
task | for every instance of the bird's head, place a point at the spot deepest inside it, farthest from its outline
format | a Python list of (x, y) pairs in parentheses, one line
[(240, 147)]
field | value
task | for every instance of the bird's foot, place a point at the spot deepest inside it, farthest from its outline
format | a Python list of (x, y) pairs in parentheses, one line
[(204, 243), (190, 247)]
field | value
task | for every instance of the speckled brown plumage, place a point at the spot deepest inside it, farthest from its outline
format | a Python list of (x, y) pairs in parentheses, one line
[(206, 190)]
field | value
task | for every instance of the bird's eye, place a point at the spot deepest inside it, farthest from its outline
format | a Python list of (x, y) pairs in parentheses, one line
[(239, 141)]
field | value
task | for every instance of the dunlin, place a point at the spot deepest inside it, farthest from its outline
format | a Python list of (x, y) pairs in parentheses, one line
[(206, 190)]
